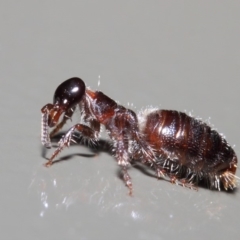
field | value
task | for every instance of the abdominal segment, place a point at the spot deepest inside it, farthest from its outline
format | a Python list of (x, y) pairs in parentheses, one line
[(183, 142)]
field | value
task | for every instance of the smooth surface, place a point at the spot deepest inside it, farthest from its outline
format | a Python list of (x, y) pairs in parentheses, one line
[(182, 55)]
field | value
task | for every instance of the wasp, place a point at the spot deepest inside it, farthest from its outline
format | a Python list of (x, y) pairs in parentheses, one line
[(178, 147)]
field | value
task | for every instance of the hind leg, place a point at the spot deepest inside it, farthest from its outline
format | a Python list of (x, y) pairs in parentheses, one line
[(184, 182), (175, 173)]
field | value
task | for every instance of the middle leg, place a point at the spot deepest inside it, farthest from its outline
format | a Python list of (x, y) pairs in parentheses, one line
[(122, 157)]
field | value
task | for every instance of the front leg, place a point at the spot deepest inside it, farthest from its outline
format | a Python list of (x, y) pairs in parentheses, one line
[(67, 138), (66, 116)]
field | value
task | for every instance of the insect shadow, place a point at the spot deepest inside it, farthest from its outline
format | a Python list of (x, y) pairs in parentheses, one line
[(102, 145)]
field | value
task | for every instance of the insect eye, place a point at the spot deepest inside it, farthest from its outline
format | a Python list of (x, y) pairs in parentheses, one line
[(69, 93)]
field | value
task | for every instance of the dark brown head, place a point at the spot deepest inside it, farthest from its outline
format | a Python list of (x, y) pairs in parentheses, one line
[(67, 95)]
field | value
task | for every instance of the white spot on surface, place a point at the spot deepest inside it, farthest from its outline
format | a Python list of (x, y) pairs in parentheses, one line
[(54, 183), (45, 204), (99, 80), (135, 215)]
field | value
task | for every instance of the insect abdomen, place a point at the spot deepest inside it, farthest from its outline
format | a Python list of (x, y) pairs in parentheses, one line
[(185, 141)]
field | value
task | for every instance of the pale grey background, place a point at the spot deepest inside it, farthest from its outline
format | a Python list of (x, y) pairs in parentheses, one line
[(182, 55)]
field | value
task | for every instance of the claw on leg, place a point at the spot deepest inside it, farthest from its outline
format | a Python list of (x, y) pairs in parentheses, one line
[(48, 164), (161, 173), (173, 179)]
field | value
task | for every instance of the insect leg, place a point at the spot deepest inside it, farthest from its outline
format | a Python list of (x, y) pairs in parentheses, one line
[(145, 153), (120, 147), (67, 138), (184, 182), (127, 179), (66, 116)]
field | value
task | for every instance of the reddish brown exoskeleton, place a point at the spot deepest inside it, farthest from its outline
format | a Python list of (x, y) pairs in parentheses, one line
[(177, 146)]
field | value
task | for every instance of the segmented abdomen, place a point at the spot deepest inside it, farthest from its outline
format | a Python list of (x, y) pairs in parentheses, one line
[(188, 142)]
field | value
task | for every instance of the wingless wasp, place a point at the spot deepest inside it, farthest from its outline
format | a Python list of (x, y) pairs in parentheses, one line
[(178, 147)]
